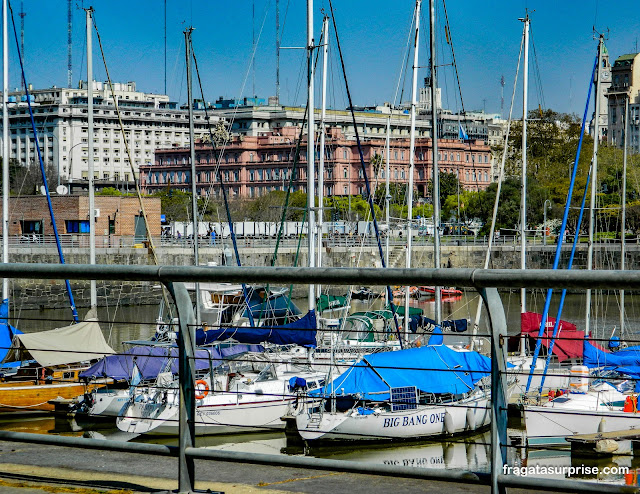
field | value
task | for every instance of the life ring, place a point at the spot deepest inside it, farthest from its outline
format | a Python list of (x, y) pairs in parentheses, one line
[(199, 392)]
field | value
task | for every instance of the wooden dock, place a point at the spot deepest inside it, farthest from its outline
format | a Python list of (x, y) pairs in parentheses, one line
[(626, 442)]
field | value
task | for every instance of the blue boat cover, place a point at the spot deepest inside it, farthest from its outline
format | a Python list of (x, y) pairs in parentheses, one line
[(595, 357), (276, 306), (6, 330), (151, 360), (301, 332), (436, 337), (432, 369)]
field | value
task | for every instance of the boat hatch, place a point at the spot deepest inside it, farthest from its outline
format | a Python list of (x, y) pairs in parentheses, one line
[(562, 399)]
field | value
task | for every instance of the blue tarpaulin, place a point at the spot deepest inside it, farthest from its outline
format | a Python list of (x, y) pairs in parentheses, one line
[(6, 330), (151, 360), (432, 369), (301, 332), (276, 306), (595, 357)]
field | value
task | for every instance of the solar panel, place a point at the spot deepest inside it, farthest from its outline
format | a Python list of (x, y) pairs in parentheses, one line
[(405, 398)]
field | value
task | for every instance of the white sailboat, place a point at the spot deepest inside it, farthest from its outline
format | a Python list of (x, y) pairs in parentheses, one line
[(243, 401), (407, 394), (596, 407)]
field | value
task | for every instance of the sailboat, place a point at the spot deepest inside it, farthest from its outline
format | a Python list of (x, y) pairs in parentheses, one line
[(597, 406), (47, 364), (407, 394)]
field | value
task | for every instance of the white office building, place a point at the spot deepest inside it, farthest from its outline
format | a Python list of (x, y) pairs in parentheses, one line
[(151, 121)]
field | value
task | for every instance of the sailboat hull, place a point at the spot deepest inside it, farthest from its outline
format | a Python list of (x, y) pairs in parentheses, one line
[(425, 421), (547, 426), (31, 396)]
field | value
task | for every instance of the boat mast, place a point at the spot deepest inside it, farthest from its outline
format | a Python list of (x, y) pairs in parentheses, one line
[(311, 150), (5, 147), (412, 146), (523, 188), (192, 149), (387, 199), (623, 243), (594, 185), (323, 115), (436, 171), (92, 200)]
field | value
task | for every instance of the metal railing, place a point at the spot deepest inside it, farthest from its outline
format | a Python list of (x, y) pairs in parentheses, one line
[(268, 242), (486, 282)]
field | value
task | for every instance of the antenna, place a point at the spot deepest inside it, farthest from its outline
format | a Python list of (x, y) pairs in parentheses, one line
[(253, 46), (69, 42), (278, 51), (165, 46), (22, 16), (502, 95)]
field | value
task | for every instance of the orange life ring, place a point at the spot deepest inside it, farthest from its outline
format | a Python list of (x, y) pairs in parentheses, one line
[(204, 392)]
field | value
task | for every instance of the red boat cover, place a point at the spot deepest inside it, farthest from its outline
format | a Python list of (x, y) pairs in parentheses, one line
[(569, 341)]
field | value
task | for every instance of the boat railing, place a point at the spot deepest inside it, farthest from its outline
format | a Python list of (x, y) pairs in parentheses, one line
[(486, 282)]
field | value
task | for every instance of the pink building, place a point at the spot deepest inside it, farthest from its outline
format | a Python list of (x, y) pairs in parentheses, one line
[(252, 166)]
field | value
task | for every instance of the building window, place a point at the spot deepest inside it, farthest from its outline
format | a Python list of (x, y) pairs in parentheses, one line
[(34, 227), (345, 173), (345, 190), (77, 226)]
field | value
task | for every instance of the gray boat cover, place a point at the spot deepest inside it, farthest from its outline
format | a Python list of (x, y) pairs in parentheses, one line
[(76, 343)]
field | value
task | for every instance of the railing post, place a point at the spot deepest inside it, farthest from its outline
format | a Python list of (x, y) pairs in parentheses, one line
[(186, 355), (498, 328)]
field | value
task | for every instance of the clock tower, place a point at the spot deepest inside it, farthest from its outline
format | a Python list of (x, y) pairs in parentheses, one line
[(604, 74)]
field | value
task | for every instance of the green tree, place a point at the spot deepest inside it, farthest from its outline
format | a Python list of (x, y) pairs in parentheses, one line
[(109, 191)]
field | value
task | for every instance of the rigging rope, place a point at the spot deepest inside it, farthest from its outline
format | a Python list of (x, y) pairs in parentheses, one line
[(42, 170), (222, 187), (152, 248), (563, 229), (364, 171)]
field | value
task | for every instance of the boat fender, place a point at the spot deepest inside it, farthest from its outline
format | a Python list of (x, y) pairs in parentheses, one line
[(606, 446), (471, 420), (449, 427), (628, 404), (602, 425), (201, 389)]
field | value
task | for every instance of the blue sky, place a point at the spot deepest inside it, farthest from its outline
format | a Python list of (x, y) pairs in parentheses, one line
[(486, 37)]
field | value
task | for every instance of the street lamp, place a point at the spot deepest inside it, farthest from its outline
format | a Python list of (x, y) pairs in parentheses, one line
[(544, 224), (70, 155)]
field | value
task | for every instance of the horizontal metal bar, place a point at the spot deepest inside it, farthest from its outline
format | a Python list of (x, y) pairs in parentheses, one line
[(479, 278), (561, 485), (87, 443)]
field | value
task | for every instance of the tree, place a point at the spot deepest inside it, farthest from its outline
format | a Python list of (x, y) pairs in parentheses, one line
[(109, 191), (481, 205), (28, 179), (449, 186), (175, 204), (397, 191)]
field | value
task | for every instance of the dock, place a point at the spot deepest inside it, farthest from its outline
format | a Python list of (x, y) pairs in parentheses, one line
[(602, 444)]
